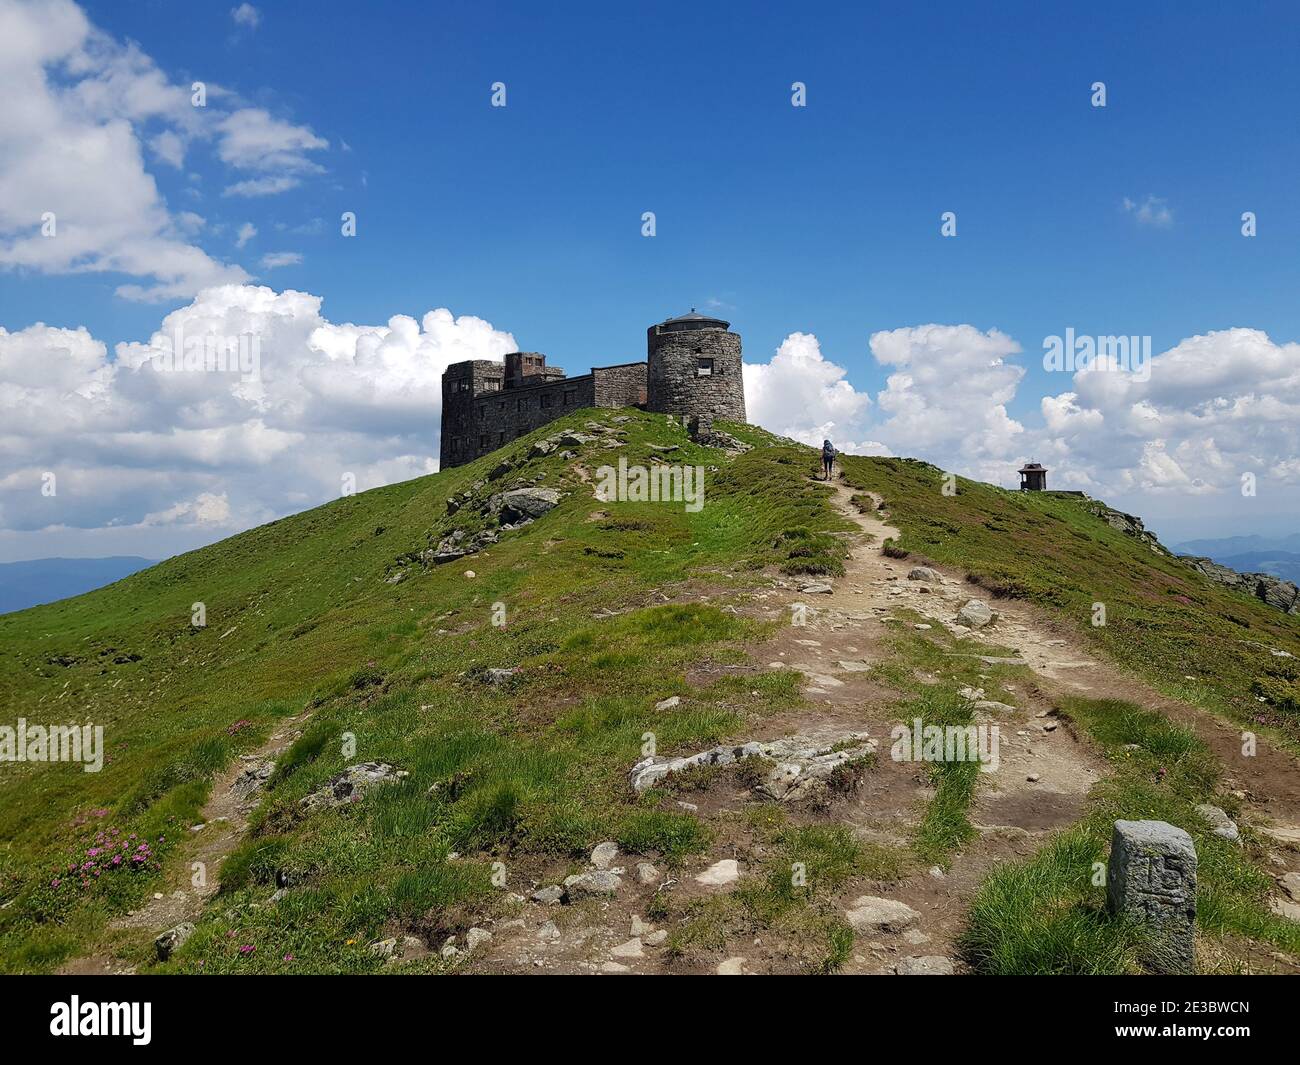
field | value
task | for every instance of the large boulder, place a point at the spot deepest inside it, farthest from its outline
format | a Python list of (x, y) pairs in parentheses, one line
[(596, 882), (523, 504), (974, 614)]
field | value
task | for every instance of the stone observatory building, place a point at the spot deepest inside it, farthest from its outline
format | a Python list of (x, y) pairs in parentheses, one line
[(692, 369)]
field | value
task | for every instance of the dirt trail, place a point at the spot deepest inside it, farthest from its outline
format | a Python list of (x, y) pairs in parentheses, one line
[(841, 637), (234, 795)]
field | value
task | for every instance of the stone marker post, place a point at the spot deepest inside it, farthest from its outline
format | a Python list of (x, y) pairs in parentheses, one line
[(1152, 879)]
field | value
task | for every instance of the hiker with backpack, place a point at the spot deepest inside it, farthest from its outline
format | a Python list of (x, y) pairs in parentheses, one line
[(828, 459)]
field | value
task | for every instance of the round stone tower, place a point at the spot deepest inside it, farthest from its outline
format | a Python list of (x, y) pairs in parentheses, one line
[(694, 368)]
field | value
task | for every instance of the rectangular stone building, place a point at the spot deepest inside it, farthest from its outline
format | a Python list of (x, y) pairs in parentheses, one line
[(487, 404)]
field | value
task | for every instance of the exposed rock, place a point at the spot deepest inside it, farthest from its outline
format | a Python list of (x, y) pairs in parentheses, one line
[(655, 939), (630, 949), (1151, 879), (1284, 834), (870, 913), (719, 874), (253, 779), (1220, 823), (803, 766), (384, 948), (1271, 589), (646, 873), (1128, 524), (930, 965), (602, 857), (1285, 908), (597, 882), (817, 588), (549, 896), (731, 967), (639, 927), (477, 937), (352, 784), (548, 932), (523, 504), (172, 940), (925, 573), (669, 703), (1291, 885), (974, 614)]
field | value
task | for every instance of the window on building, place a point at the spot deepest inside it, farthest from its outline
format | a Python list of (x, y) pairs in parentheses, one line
[(703, 367), (570, 396), (492, 384), (462, 385), (546, 399), (483, 440)]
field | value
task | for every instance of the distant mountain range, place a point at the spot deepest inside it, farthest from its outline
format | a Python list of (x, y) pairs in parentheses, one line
[(1279, 556), (44, 580)]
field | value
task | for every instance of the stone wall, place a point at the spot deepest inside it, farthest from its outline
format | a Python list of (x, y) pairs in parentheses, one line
[(462, 384), (620, 386), (676, 383), (496, 418)]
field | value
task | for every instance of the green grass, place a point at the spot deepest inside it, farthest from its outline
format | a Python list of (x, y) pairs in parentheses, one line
[(1046, 915), (300, 616)]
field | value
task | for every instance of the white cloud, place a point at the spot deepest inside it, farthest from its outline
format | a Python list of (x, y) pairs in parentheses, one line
[(156, 461), (1215, 407), (251, 139), (205, 509), (802, 395), (947, 398), (246, 15), (275, 259), (1152, 211), (246, 233), (81, 113)]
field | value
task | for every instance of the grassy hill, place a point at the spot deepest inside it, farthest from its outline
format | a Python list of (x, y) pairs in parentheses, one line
[(608, 609)]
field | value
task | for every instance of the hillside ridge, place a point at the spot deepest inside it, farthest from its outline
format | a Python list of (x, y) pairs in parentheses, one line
[(512, 689)]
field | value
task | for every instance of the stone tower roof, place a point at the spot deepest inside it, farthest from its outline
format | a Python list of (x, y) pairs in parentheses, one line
[(693, 320)]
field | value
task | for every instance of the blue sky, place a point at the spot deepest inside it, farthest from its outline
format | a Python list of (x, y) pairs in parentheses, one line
[(821, 220)]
